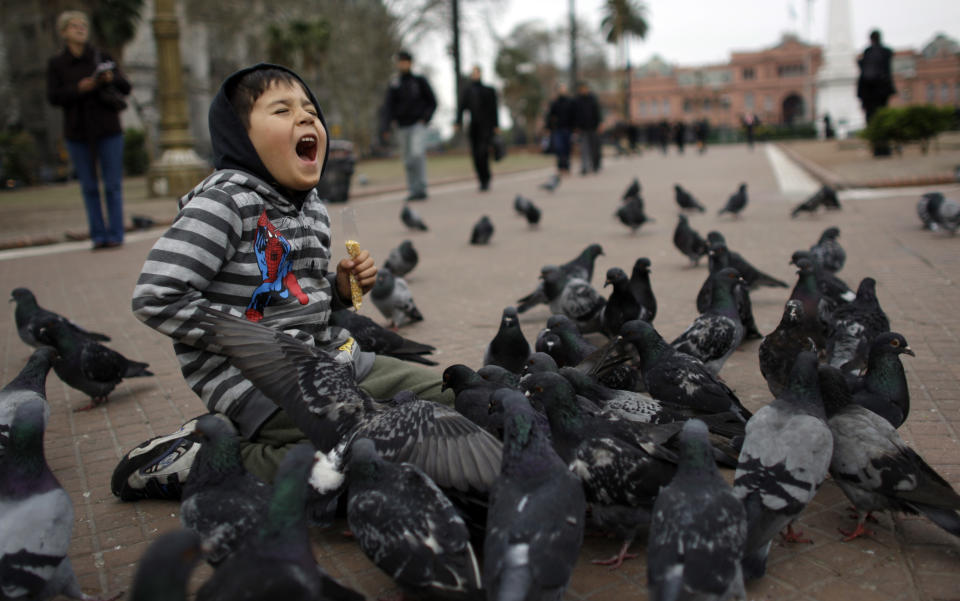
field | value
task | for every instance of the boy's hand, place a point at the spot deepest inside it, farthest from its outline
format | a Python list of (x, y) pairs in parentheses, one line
[(362, 267)]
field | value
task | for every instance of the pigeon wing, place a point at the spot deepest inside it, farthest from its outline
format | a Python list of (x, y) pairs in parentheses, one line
[(34, 540)]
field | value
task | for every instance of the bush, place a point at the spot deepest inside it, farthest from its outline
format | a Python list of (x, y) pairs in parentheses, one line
[(900, 125), (19, 158), (135, 158), (798, 131)]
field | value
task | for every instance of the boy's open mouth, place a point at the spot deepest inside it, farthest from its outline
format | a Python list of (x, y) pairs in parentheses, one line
[(307, 148)]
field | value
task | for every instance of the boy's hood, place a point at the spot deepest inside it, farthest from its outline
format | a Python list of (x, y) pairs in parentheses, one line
[(232, 148)]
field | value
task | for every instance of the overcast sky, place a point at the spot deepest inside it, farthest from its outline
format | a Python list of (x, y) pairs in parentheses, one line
[(691, 32)]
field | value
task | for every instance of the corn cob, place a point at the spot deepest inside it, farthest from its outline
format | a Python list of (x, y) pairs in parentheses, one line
[(356, 294)]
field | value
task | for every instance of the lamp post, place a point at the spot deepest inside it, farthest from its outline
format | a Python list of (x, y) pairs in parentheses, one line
[(179, 168)]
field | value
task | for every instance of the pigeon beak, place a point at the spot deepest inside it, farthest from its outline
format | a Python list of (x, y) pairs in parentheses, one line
[(909, 351), (607, 283)]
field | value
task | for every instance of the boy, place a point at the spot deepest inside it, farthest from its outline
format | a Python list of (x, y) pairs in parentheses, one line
[(253, 239)]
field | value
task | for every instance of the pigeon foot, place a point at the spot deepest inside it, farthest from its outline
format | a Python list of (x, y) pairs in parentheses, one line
[(94, 403), (860, 530), (617, 560), (794, 536)]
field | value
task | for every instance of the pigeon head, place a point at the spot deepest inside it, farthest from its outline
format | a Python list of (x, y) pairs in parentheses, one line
[(803, 386), (716, 237), (592, 252), (553, 281), (166, 565), (23, 449), (804, 266), (286, 511), (458, 377), (552, 392), (538, 363), (23, 296), (212, 427), (407, 251), (365, 462), (648, 342), (509, 318), (548, 341), (696, 454), (831, 233), (383, 285), (677, 188), (616, 277), (833, 389), (520, 417), (641, 265), (33, 376), (891, 342), (498, 375), (561, 323), (728, 277), (867, 290), (800, 254), (683, 219)]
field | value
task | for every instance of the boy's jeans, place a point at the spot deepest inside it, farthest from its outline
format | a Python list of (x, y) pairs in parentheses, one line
[(413, 144), (108, 152)]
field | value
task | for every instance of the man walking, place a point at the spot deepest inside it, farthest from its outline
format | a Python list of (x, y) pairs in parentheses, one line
[(588, 121), (561, 120), (875, 84), (481, 101), (409, 105)]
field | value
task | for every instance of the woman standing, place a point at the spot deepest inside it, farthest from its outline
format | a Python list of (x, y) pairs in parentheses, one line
[(89, 87)]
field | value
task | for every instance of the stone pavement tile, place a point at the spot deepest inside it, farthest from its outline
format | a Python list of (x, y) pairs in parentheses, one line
[(939, 587), (770, 588)]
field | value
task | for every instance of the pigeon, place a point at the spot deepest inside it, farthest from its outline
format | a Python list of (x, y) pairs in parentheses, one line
[(279, 562), (377, 339), (686, 201), (828, 252), (632, 215), (409, 528), (779, 349), (853, 328), (720, 259), (676, 377), (876, 469), (718, 331), (754, 277), (621, 467), (392, 297), (576, 299), (89, 366), (831, 287), (580, 266), (29, 385), (322, 398), (509, 348), (562, 340), (551, 184), (938, 212), (883, 389), (31, 318), (632, 191), (165, 567), (825, 197), (688, 241), (785, 457), (142, 222), (536, 519), (524, 206), (402, 259), (36, 515), (736, 202), (499, 376), (411, 219), (482, 231), (817, 310), (698, 529), (642, 290), (621, 306), (626, 404), (221, 501), (927, 204), (472, 397)]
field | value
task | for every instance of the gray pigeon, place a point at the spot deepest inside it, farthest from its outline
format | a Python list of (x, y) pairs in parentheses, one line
[(688, 241), (779, 349), (876, 469), (409, 528), (622, 305), (524, 206), (576, 299), (736, 203), (632, 191), (28, 386), (785, 457), (938, 212), (165, 567), (580, 266), (402, 259), (854, 327), (509, 348), (551, 184), (642, 290), (412, 219), (686, 201), (377, 339), (221, 500), (563, 341), (482, 231), (89, 366), (883, 388), (36, 515), (718, 331), (279, 563), (31, 318), (828, 252), (472, 397), (632, 214), (698, 529), (536, 518), (392, 297)]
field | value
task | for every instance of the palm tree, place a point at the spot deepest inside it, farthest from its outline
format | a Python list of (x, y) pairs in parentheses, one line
[(623, 19)]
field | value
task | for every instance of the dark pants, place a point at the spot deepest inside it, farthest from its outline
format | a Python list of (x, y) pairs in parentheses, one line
[(589, 151), (480, 151), (560, 139), (108, 152)]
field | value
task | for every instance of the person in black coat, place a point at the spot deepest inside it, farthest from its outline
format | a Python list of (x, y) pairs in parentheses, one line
[(90, 87), (481, 101), (561, 119), (588, 119), (409, 104), (680, 135), (875, 84)]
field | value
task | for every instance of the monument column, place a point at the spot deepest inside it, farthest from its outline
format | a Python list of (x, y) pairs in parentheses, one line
[(837, 77), (179, 168)]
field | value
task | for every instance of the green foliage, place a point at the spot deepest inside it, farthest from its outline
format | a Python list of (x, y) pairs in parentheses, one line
[(135, 158), (900, 125), (19, 157), (624, 18), (299, 43), (798, 131), (115, 22)]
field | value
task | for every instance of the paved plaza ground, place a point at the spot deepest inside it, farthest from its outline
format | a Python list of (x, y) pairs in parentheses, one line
[(462, 290)]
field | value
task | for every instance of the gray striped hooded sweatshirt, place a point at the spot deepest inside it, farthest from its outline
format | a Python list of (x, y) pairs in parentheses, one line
[(237, 245)]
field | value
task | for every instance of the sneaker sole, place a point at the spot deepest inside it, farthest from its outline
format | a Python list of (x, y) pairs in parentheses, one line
[(143, 456)]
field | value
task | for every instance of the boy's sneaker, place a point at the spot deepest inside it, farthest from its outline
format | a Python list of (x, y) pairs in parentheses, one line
[(158, 468)]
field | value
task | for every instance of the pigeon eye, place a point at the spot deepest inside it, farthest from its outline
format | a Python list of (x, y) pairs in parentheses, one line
[(538, 389), (894, 343)]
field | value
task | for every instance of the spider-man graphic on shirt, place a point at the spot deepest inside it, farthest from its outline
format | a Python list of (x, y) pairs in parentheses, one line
[(273, 257)]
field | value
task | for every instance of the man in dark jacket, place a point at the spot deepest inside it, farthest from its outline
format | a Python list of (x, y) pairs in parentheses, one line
[(875, 84), (561, 119), (79, 80), (588, 121), (481, 101), (409, 105)]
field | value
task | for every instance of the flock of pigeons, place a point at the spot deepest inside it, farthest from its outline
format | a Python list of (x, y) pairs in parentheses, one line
[(602, 423)]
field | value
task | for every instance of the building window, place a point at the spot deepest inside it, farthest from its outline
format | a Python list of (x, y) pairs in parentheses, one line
[(653, 108), (768, 103), (643, 108), (944, 93), (931, 93), (666, 107), (790, 70), (687, 105), (748, 101), (907, 94), (748, 73)]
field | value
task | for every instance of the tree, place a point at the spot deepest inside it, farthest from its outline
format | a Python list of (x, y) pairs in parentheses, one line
[(114, 22), (622, 20), (526, 65)]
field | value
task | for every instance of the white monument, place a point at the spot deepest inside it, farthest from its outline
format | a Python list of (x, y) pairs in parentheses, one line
[(837, 77)]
